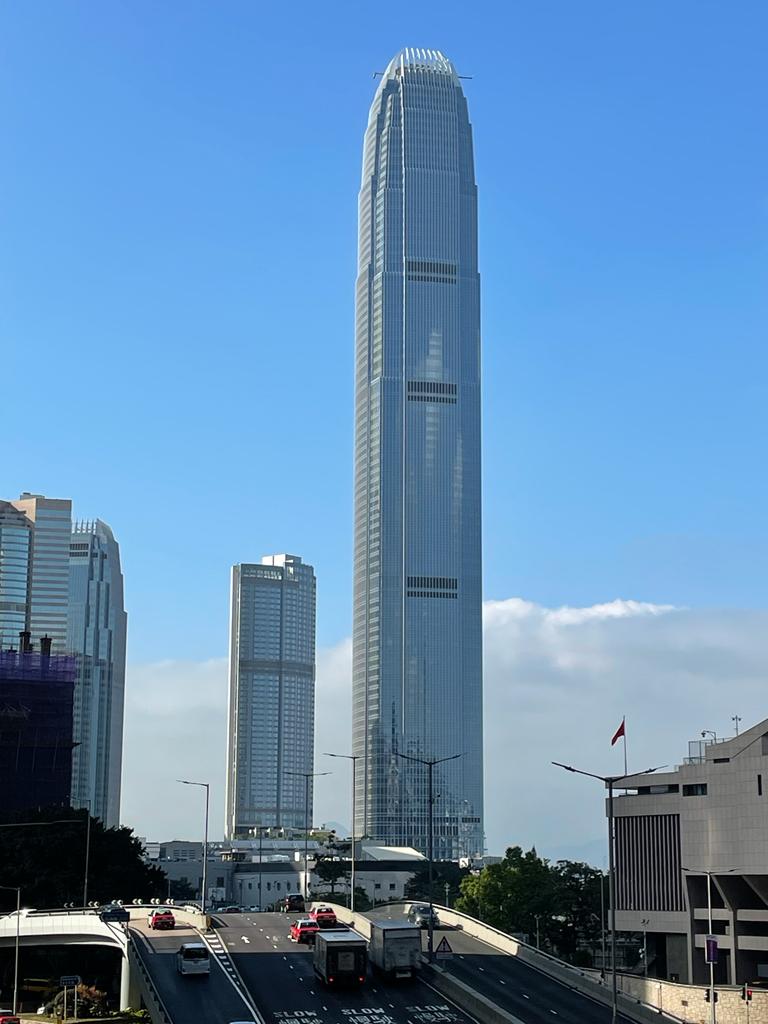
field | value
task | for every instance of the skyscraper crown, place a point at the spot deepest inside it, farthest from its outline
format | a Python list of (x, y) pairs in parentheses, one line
[(413, 58)]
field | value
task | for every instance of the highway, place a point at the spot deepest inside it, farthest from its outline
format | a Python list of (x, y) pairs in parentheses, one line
[(280, 980), (523, 991), (189, 999)]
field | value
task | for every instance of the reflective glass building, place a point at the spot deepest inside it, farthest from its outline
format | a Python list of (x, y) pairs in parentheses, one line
[(97, 635), (271, 694), (48, 583), (417, 637), (15, 554)]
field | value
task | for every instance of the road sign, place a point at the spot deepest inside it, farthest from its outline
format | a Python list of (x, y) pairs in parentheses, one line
[(710, 950), (69, 980), (443, 950)]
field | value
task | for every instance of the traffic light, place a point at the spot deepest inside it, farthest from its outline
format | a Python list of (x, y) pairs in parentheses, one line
[(708, 996), (746, 993)]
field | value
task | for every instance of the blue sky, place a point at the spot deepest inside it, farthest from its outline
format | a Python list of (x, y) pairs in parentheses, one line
[(176, 283)]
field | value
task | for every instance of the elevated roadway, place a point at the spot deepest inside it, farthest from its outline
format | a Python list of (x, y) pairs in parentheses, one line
[(279, 978)]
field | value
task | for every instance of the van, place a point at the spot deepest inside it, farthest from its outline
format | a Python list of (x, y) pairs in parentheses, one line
[(193, 958)]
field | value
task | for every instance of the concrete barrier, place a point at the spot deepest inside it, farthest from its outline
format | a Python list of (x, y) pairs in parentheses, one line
[(151, 997), (473, 1003)]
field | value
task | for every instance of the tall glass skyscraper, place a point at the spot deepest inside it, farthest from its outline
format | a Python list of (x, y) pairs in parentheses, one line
[(15, 556), (48, 587), (417, 635), (97, 635), (271, 694)]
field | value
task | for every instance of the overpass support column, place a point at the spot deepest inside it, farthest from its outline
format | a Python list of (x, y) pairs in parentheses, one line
[(130, 994)]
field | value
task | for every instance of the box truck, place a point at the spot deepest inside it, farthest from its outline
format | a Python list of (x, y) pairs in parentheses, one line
[(340, 958), (395, 948)]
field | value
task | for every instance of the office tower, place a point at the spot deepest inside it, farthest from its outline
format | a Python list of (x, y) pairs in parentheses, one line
[(97, 635), (15, 549), (417, 632), (271, 694), (36, 690), (48, 581)]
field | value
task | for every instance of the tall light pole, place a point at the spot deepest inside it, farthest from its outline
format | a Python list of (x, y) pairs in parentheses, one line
[(610, 781), (430, 764), (538, 939), (261, 837), (645, 922), (354, 759), (87, 849), (17, 890), (207, 787), (693, 871), (306, 776)]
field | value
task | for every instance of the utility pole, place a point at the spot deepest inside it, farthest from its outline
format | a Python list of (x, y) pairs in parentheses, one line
[(430, 764)]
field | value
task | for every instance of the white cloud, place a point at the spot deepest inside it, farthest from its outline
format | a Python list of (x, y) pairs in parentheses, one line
[(557, 683)]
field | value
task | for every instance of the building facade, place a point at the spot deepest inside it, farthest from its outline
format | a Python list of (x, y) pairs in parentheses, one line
[(15, 557), (48, 580), (417, 628), (36, 694), (97, 626), (271, 694), (674, 831)]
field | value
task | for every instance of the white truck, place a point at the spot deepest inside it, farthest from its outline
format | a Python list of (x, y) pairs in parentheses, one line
[(395, 948), (340, 958)]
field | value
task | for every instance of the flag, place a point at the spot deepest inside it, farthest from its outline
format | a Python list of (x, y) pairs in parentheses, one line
[(619, 733)]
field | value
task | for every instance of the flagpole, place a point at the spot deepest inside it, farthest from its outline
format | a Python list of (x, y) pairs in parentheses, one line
[(624, 722)]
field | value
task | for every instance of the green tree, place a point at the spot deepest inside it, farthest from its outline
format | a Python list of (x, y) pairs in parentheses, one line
[(331, 871), (443, 873), (48, 861)]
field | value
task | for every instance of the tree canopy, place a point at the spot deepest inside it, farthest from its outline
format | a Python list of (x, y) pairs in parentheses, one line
[(525, 890), (44, 853)]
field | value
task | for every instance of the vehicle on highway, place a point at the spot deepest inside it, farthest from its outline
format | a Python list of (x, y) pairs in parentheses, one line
[(395, 948), (231, 910), (193, 958), (340, 958), (293, 903), (8, 1017), (114, 912), (418, 914), (161, 917), (325, 917), (304, 930)]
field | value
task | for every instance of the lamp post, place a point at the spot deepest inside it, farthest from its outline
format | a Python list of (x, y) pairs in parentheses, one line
[(207, 787), (17, 890), (430, 764), (602, 923), (306, 776), (645, 922), (538, 938), (261, 837), (693, 871), (610, 781), (354, 759), (87, 849)]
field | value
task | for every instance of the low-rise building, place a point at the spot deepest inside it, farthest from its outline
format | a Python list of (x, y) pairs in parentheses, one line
[(692, 839)]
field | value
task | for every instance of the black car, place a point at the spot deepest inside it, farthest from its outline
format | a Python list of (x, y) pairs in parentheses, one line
[(418, 914)]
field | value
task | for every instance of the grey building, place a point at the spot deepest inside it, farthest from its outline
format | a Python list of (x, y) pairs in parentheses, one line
[(271, 694), (417, 627), (50, 521), (15, 555), (672, 829), (97, 634)]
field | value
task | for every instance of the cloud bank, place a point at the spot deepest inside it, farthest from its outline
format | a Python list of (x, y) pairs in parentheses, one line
[(557, 683)]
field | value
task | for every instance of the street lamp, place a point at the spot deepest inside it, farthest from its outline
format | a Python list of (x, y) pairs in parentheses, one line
[(306, 776), (207, 787), (87, 810), (17, 890), (261, 836), (538, 940), (693, 871), (644, 923), (354, 758), (610, 781), (430, 764)]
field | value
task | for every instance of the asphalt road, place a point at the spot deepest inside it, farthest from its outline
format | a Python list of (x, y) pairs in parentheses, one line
[(280, 980), (189, 999), (521, 990)]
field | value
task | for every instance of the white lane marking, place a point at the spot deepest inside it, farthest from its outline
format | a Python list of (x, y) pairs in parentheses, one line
[(553, 1011), (245, 939), (502, 982), (325, 1007), (291, 966), (481, 969), (285, 957), (525, 996)]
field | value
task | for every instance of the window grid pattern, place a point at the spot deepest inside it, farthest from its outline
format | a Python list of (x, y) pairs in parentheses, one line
[(648, 866), (417, 664)]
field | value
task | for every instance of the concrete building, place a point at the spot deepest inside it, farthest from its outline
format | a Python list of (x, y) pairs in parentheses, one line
[(417, 628), (97, 625), (709, 815), (48, 580), (15, 554), (271, 695)]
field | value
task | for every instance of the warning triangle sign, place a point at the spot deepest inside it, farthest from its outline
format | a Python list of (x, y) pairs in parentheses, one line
[(444, 948)]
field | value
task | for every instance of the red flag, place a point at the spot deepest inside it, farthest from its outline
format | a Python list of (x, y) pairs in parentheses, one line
[(619, 733)]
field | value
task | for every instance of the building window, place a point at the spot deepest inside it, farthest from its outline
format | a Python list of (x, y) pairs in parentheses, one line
[(695, 789), (391, 886), (377, 885), (759, 785)]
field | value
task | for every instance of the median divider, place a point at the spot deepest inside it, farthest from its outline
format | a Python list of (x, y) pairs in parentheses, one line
[(152, 1000), (466, 998)]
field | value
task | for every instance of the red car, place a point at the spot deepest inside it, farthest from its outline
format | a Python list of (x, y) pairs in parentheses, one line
[(324, 916), (160, 918), (304, 930), (6, 1017)]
